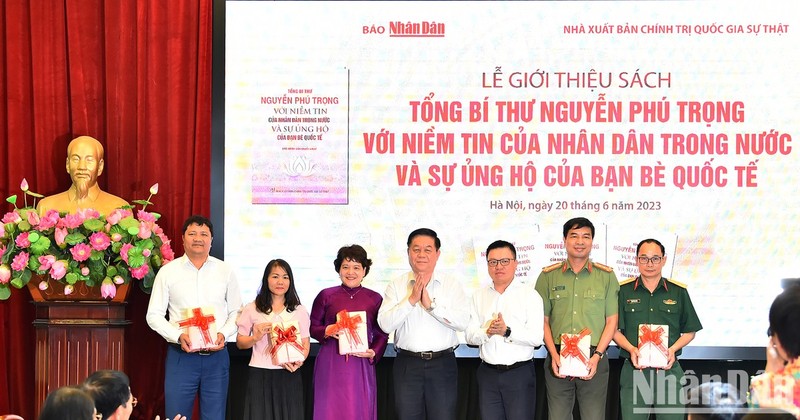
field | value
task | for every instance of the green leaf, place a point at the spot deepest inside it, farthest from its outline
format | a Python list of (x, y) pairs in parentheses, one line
[(133, 231), (135, 257), (143, 202), (12, 199), (156, 215), (145, 244), (41, 245), (111, 271), (17, 282), (24, 226), (71, 278), (75, 238), (5, 292), (94, 225), (128, 223), (33, 194)]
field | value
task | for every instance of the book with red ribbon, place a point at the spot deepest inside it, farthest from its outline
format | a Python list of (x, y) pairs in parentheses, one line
[(287, 344), (653, 342), (352, 329), (575, 354), (201, 326)]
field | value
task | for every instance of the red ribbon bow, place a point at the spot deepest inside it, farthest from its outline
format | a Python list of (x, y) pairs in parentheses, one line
[(200, 321), (571, 349), (284, 336), (349, 325), (653, 337)]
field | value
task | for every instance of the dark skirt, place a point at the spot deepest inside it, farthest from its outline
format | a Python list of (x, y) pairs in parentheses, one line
[(274, 394)]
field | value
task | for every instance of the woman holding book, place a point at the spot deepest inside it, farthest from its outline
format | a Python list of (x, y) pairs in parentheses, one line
[(344, 319), (276, 327)]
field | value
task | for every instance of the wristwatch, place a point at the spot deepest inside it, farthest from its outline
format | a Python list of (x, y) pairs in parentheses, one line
[(599, 354), (432, 307), (508, 332)]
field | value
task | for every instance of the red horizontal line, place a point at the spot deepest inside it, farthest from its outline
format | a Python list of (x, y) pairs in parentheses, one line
[(416, 36)]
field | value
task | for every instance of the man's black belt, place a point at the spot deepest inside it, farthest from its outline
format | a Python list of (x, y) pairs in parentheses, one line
[(180, 349), (425, 355), (508, 367)]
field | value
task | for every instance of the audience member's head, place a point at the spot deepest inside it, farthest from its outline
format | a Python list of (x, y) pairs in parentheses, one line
[(111, 392), (67, 403), (715, 401), (784, 317)]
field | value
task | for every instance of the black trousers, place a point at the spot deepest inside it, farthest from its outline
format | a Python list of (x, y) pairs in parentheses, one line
[(507, 394), (425, 388)]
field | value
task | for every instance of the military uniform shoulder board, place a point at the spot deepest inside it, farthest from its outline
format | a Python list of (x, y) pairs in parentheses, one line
[(677, 283), (603, 267), (550, 268), (630, 280)]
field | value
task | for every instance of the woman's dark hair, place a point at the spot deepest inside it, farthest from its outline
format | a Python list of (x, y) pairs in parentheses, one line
[(353, 253), (784, 317), (67, 403), (264, 298), (109, 389)]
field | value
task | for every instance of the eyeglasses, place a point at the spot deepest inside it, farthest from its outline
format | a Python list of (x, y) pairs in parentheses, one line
[(504, 262), (655, 260)]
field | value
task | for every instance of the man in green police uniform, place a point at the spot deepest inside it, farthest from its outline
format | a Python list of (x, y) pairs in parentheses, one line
[(652, 299), (577, 294)]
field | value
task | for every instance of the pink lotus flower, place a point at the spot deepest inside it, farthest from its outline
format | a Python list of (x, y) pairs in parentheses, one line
[(24, 185), (107, 289), (72, 220), (68, 289), (146, 252), (58, 270), (140, 272), (43, 285), (99, 241), (49, 220), (145, 216), (81, 252), (166, 252), (60, 235), (12, 217), (86, 214), (33, 218), (22, 240), (46, 261), (20, 261), (123, 252), (116, 237), (84, 271), (154, 189), (144, 230), (114, 217), (5, 274), (118, 280)]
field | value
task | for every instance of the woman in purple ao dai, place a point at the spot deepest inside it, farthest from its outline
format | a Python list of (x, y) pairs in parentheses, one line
[(345, 385)]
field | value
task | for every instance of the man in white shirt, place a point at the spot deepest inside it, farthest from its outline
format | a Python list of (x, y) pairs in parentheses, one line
[(195, 280), (424, 310), (507, 322)]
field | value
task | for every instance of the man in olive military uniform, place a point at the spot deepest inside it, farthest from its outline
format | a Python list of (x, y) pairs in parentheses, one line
[(577, 294), (652, 299)]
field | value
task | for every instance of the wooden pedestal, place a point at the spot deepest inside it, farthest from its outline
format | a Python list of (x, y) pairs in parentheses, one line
[(73, 339)]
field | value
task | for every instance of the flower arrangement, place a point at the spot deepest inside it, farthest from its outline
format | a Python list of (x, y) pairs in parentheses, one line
[(81, 247)]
